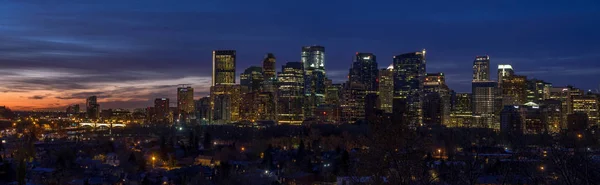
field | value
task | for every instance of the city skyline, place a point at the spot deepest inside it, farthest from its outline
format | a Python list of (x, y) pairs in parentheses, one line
[(49, 66)]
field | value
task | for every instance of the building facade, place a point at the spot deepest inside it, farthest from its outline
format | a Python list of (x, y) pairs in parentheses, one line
[(162, 113), (538, 90), (251, 79), (409, 75), (483, 105), (435, 84), (386, 89), (461, 110), (313, 60), (514, 90), (291, 94), (185, 103), (92, 108), (364, 70), (589, 106), (223, 67)]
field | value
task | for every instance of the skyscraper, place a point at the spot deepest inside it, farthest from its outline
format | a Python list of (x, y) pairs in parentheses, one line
[(364, 70), (223, 67), (224, 93), (588, 105), (552, 110), (563, 95), (538, 90), (269, 67), (511, 120), (409, 75), (462, 112), (386, 89), (161, 110), (185, 102), (481, 69), (269, 83), (514, 90), (92, 108), (225, 100), (291, 93), (484, 93), (313, 59), (435, 84), (353, 101), (504, 70), (203, 110), (251, 80)]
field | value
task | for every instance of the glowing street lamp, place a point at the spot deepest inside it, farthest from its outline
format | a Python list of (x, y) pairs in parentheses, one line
[(153, 160)]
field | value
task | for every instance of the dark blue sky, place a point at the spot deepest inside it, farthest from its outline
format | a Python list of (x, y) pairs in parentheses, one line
[(56, 52)]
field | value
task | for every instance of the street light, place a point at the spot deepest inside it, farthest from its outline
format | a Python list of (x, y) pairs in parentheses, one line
[(153, 159)]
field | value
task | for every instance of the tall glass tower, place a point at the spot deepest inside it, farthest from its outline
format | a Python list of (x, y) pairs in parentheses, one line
[(223, 67), (313, 60), (484, 93), (481, 69), (364, 70), (409, 76)]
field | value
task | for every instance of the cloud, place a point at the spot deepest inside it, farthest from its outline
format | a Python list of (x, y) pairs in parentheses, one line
[(37, 97), (76, 49)]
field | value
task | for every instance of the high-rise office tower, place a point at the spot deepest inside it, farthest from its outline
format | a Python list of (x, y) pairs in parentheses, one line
[(552, 110), (270, 76), (251, 80), (364, 70), (92, 108), (481, 69), (161, 110), (353, 102), (562, 94), (313, 59), (257, 106), (291, 93), (409, 75), (511, 120), (461, 114), (432, 109), (483, 104), (185, 102), (435, 84), (333, 94), (269, 67), (223, 67), (203, 110), (483, 94), (504, 70), (514, 90), (538, 90), (225, 103), (362, 80), (386, 89), (588, 105), (534, 118), (224, 93)]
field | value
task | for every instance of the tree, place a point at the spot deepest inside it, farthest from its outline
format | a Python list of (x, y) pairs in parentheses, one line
[(268, 158), (394, 151)]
